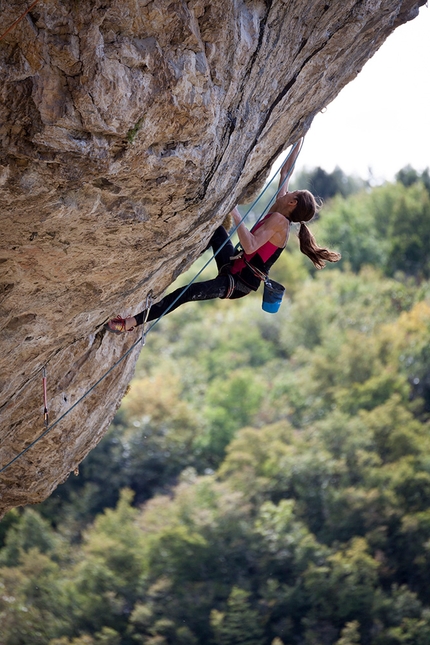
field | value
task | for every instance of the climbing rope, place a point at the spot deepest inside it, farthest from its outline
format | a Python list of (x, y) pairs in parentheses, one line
[(141, 340), (18, 20)]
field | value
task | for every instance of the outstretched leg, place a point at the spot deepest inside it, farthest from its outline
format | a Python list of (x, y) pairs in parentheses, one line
[(220, 287)]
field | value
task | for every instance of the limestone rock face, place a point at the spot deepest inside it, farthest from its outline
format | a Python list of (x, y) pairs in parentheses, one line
[(128, 130)]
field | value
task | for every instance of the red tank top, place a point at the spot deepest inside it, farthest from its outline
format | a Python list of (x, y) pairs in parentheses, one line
[(265, 252)]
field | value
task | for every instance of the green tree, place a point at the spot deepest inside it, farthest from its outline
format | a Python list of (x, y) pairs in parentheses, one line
[(343, 588), (30, 531), (350, 634), (387, 227), (239, 624), (10, 519), (106, 636), (402, 218), (108, 578), (33, 601), (326, 185), (409, 176), (231, 404)]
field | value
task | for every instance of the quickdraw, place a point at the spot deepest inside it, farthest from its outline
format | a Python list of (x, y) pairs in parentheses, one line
[(148, 305), (45, 399)]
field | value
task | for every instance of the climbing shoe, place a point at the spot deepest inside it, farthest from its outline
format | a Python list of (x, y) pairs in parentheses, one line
[(117, 325)]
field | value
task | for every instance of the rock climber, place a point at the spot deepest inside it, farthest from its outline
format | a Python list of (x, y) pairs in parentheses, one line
[(262, 246)]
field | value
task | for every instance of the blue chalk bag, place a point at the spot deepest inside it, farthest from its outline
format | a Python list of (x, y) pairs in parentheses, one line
[(272, 296)]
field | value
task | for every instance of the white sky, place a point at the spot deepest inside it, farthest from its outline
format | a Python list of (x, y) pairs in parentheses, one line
[(381, 119)]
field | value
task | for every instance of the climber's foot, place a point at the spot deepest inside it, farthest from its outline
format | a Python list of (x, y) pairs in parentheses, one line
[(120, 325)]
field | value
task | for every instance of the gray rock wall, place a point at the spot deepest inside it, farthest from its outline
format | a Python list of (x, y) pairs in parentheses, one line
[(128, 130)]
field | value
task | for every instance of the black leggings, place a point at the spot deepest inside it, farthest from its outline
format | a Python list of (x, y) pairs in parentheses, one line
[(219, 287)]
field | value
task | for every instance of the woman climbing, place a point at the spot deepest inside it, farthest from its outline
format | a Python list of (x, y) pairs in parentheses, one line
[(262, 246)]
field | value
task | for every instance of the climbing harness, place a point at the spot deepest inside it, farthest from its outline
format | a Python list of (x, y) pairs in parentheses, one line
[(141, 340)]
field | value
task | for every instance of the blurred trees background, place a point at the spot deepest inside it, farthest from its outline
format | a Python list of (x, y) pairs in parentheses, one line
[(266, 480)]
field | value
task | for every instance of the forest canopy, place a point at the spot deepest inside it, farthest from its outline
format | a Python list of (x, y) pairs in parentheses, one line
[(266, 480)]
